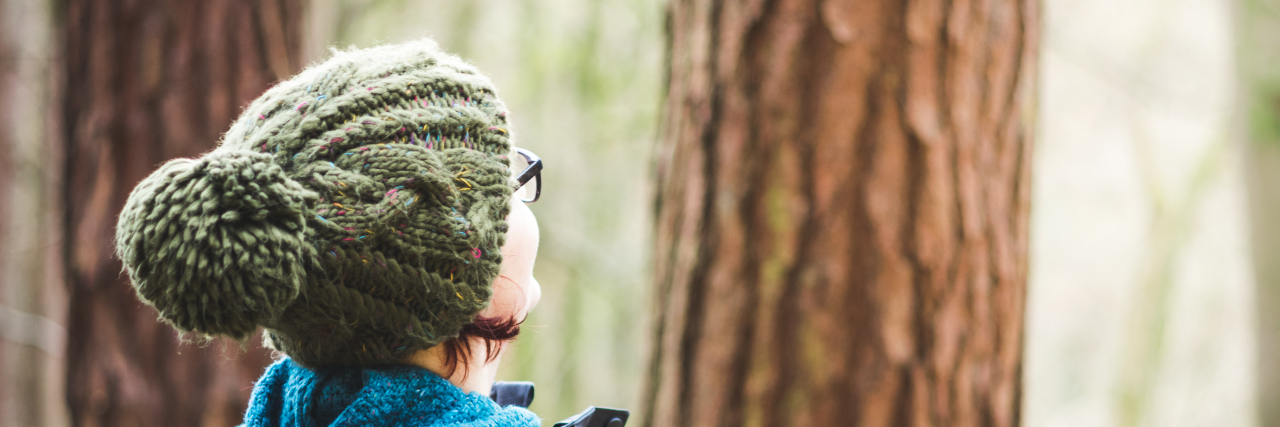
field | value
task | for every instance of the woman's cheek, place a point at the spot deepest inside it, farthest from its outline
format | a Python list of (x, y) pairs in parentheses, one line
[(534, 294)]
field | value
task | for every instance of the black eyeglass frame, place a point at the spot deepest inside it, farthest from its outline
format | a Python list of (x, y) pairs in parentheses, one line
[(534, 170)]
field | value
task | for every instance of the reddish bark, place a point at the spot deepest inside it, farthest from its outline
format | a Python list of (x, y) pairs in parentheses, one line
[(146, 81), (842, 213)]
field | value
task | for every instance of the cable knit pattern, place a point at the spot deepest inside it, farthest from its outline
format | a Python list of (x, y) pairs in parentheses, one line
[(294, 396)]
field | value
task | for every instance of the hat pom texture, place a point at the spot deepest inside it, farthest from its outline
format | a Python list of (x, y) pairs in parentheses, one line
[(217, 244), (356, 211)]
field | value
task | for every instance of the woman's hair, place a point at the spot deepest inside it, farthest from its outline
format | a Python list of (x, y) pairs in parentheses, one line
[(494, 332)]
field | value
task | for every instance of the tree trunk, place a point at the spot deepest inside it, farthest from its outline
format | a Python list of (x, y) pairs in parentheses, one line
[(1258, 37), (146, 81), (842, 207)]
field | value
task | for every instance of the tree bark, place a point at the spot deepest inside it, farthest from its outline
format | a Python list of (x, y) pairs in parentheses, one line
[(1257, 32), (842, 207), (146, 81)]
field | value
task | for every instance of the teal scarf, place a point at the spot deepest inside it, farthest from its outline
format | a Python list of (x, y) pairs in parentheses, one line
[(293, 396)]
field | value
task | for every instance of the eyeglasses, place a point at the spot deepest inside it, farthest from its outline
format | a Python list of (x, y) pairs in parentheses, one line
[(532, 172)]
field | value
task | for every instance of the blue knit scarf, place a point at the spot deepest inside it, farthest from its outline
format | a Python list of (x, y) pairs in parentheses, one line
[(294, 396)]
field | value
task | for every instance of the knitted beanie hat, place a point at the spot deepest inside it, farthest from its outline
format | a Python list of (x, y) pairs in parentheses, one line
[(355, 212)]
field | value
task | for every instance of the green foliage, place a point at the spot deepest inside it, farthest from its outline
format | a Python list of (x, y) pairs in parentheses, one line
[(1257, 29), (1264, 112)]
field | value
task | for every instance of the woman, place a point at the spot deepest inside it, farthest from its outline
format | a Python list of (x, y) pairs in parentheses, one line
[(367, 214)]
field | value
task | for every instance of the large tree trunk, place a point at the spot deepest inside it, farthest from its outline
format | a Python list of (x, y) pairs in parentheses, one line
[(146, 81), (1258, 37), (842, 213)]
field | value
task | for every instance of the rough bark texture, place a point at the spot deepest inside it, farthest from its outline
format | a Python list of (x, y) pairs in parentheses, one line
[(146, 81), (1258, 36), (842, 213)]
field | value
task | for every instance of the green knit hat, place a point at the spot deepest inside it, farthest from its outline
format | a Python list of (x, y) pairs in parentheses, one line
[(355, 212)]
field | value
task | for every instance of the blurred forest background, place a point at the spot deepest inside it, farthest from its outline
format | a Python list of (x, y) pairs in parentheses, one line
[(1142, 299)]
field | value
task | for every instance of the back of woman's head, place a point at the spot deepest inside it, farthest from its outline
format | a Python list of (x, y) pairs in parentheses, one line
[(355, 211)]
